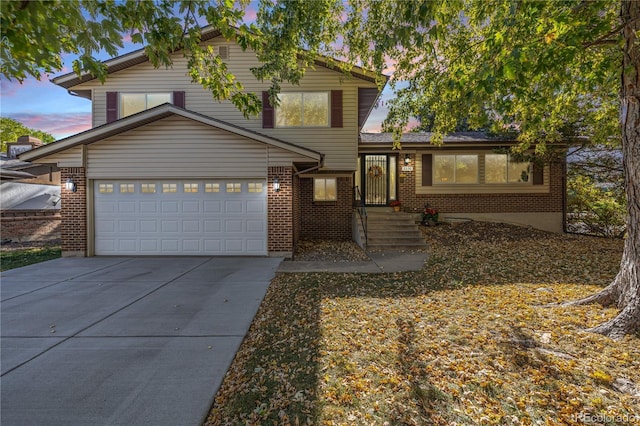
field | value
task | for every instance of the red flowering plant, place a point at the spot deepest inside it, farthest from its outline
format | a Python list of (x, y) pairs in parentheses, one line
[(429, 215), (395, 203)]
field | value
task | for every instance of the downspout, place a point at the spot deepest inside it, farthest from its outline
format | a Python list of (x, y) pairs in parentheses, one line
[(311, 169)]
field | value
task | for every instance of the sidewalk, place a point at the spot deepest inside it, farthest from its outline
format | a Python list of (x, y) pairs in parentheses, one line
[(381, 262)]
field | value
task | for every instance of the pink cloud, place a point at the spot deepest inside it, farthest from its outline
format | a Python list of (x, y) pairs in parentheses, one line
[(60, 125), (250, 15)]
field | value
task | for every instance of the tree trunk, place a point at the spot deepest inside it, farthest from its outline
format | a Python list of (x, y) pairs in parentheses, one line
[(624, 291)]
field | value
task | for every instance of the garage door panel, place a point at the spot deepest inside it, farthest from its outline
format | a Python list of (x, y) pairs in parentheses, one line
[(212, 226), (255, 206), (212, 206), (190, 207), (127, 226), (148, 206), (158, 217), (149, 226), (126, 207), (255, 226), (148, 246), (233, 246), (127, 245), (169, 245), (190, 226), (169, 207), (191, 246), (233, 206)]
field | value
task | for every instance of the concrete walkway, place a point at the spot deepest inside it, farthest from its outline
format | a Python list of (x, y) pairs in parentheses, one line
[(123, 341), (381, 262)]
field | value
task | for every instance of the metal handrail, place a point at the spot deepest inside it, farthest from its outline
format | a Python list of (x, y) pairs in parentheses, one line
[(361, 209)]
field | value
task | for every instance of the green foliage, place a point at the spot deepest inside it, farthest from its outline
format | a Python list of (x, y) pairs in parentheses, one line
[(18, 258), (11, 130), (601, 211), (542, 68)]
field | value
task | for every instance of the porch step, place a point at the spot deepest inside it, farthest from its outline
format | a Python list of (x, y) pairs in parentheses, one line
[(388, 230)]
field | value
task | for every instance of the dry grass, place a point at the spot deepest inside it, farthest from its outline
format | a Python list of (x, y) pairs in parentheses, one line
[(465, 341)]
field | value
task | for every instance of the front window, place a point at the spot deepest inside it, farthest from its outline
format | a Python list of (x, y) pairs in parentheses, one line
[(303, 109), (500, 168), (455, 169), (325, 189), (132, 103)]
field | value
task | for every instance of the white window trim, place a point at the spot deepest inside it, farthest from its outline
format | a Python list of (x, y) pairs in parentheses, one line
[(302, 126)]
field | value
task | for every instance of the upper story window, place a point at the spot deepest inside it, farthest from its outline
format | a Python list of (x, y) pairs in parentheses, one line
[(131, 103), (500, 168), (303, 109), (455, 169)]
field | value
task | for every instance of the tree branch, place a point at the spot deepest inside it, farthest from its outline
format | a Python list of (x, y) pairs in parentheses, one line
[(604, 39)]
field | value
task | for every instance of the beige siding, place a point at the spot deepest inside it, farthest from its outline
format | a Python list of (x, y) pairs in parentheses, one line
[(176, 147), (338, 144), (279, 157), (480, 188), (68, 158)]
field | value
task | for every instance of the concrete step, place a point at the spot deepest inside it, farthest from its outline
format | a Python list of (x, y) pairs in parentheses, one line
[(389, 230)]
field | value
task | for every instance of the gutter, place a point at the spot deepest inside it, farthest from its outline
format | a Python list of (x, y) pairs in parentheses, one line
[(311, 169)]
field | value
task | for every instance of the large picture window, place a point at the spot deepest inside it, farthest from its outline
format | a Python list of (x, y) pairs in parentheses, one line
[(455, 169), (303, 109), (500, 168), (132, 103)]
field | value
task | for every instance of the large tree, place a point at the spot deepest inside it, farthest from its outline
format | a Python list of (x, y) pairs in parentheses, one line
[(550, 70), (11, 130), (547, 70)]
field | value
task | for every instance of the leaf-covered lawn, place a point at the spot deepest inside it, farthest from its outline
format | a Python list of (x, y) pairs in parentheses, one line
[(468, 340)]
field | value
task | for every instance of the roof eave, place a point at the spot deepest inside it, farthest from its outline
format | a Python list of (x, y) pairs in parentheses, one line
[(149, 116)]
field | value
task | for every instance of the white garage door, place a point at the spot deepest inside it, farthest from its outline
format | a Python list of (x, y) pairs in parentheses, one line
[(180, 217)]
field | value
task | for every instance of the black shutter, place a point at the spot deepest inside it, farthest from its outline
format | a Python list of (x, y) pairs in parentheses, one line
[(538, 174), (267, 112), (112, 106), (336, 108), (427, 170), (178, 99)]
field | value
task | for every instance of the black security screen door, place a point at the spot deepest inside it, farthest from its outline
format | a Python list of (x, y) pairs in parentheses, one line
[(375, 172)]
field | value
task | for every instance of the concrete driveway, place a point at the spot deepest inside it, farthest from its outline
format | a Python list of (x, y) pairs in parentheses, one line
[(123, 341)]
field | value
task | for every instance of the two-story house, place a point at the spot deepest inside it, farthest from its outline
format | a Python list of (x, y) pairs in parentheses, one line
[(167, 170)]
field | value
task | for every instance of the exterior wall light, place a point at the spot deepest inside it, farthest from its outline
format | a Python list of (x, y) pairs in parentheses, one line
[(407, 159), (71, 185), (276, 185)]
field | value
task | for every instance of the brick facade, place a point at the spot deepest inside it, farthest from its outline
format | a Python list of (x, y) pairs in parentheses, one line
[(280, 211), (326, 220), (30, 225), (553, 201), (74, 213)]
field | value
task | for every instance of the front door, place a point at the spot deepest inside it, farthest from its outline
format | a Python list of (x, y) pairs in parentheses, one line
[(378, 179)]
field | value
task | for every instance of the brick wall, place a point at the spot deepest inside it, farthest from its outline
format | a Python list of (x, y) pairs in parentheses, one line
[(280, 211), (73, 210), (30, 225), (486, 203), (326, 220)]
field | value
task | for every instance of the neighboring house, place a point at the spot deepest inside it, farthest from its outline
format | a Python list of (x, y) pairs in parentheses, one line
[(167, 170), (29, 196), (469, 176)]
